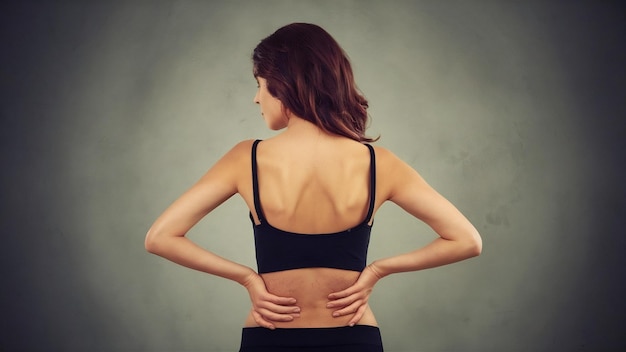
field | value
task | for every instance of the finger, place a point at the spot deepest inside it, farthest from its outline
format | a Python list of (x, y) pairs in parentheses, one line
[(352, 308), (283, 301), (358, 315), (277, 308), (258, 318), (341, 294), (272, 316), (342, 302)]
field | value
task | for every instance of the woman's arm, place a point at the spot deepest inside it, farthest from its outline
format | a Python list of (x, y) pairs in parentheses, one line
[(166, 236), (458, 238)]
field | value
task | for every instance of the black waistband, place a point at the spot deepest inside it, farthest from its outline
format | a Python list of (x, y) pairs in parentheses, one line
[(311, 337)]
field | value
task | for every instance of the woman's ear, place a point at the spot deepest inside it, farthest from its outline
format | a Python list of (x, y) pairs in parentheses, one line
[(286, 112)]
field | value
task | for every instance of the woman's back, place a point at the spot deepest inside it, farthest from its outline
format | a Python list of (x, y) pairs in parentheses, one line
[(312, 196), (314, 184)]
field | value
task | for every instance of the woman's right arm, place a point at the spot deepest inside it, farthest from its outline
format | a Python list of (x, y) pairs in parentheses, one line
[(166, 236), (458, 238)]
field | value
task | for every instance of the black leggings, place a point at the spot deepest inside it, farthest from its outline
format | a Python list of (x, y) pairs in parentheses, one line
[(359, 338)]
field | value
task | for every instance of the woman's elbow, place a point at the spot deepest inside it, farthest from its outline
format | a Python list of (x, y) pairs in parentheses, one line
[(475, 244), (151, 242)]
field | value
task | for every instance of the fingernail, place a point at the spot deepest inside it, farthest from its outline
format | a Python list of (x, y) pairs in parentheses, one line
[(335, 314), (328, 305), (351, 324), (297, 310)]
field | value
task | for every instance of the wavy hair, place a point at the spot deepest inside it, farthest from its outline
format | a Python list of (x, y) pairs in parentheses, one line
[(311, 75)]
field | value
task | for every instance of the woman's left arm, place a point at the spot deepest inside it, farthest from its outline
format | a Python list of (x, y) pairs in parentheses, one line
[(166, 236)]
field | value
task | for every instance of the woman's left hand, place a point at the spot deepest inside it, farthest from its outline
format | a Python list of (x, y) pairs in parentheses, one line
[(353, 300)]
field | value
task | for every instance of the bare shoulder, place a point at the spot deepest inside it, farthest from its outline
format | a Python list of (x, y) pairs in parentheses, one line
[(390, 165), (231, 167), (241, 149), (394, 175), (384, 155), (238, 156)]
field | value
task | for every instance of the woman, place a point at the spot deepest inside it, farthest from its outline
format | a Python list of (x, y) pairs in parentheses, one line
[(312, 191)]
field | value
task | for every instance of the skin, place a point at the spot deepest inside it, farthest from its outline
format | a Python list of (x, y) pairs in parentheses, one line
[(328, 192)]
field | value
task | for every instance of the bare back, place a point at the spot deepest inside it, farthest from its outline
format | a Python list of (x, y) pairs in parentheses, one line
[(312, 186)]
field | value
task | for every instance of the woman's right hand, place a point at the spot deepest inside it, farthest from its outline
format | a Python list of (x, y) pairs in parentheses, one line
[(267, 307)]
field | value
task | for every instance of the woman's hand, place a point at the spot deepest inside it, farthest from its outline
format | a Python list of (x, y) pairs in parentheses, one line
[(353, 300), (267, 307)]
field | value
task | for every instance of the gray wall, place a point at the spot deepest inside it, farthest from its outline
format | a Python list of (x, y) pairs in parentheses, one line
[(513, 110)]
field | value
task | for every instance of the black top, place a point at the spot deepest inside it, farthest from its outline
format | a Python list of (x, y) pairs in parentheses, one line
[(278, 250)]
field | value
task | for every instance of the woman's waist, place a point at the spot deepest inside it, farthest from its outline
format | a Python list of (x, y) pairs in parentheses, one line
[(311, 287)]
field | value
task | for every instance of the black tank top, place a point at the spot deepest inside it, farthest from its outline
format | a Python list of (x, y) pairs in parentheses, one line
[(278, 250)]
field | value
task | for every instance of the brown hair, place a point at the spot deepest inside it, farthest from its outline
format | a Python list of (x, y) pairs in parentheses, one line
[(311, 75)]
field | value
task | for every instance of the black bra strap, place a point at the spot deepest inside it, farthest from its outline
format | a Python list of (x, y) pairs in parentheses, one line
[(370, 211), (255, 184)]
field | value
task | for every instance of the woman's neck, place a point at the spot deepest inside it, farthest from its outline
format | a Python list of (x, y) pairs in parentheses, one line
[(299, 127)]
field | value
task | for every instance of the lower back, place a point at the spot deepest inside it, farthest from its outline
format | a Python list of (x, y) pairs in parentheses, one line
[(311, 287)]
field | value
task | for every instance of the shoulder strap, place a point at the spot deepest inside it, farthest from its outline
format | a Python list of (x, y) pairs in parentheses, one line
[(255, 184), (370, 211)]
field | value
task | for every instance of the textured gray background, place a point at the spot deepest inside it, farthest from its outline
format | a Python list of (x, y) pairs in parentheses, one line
[(513, 110)]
